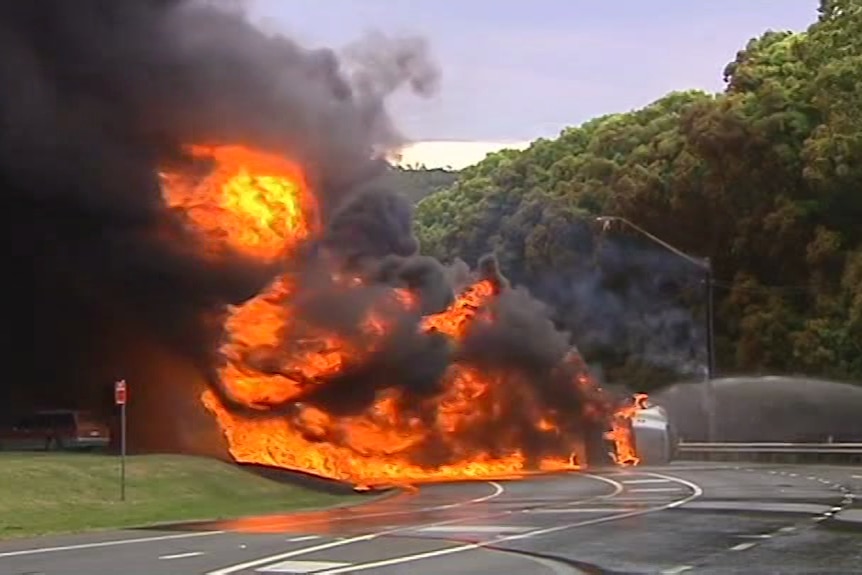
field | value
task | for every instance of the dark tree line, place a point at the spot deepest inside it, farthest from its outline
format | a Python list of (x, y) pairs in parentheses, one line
[(764, 178)]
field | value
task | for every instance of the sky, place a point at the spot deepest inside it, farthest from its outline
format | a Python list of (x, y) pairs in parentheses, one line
[(513, 71)]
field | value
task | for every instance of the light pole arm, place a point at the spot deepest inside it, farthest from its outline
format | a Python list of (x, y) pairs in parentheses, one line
[(702, 263)]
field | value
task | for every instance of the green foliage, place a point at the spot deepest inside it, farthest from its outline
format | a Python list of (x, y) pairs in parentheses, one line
[(765, 179), (43, 493)]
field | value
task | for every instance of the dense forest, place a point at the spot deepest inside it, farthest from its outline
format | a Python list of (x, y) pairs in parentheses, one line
[(765, 179)]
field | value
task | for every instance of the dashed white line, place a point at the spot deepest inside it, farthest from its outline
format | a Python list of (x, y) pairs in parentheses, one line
[(638, 481), (677, 570), (476, 528), (756, 536), (654, 490), (295, 567), (743, 546), (302, 538), (581, 510), (113, 543), (182, 555), (289, 554), (788, 529)]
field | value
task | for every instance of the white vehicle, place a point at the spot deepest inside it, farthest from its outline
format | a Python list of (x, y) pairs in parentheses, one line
[(654, 435)]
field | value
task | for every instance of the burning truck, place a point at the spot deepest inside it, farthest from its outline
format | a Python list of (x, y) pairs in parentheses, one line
[(197, 189)]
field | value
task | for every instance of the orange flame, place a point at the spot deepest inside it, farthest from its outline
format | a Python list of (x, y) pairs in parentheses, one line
[(262, 203), (621, 434), (259, 205)]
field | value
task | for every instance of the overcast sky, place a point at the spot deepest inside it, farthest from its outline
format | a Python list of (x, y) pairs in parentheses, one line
[(516, 70)]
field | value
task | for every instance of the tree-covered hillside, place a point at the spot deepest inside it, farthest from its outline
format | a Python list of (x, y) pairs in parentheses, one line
[(765, 179)]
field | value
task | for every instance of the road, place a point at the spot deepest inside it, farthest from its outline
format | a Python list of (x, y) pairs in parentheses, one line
[(698, 518)]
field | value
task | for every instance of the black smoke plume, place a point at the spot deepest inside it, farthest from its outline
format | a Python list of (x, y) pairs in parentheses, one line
[(98, 95)]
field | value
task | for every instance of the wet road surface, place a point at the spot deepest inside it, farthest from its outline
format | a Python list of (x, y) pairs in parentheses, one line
[(697, 518)]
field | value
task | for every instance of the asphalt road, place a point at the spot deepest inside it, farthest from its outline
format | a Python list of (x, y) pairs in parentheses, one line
[(697, 518)]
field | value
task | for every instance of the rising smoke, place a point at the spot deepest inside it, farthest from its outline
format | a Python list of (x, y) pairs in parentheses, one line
[(96, 96), (630, 301), (99, 95)]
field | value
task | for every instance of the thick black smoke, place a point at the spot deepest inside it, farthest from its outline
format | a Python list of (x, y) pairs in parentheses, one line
[(632, 305), (96, 96)]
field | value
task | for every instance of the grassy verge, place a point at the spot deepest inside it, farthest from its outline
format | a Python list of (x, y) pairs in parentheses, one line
[(56, 493)]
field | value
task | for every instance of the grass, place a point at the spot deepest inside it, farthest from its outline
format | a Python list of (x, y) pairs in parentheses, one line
[(43, 493)]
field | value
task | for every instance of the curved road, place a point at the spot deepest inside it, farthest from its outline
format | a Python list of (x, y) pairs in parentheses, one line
[(698, 518)]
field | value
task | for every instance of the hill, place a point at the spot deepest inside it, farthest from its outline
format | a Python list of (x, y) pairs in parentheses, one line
[(765, 179)]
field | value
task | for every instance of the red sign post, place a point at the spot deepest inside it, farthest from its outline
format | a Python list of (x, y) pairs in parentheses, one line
[(120, 397), (120, 392)]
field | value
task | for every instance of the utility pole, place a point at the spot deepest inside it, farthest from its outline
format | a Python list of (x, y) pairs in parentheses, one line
[(708, 396), (709, 388)]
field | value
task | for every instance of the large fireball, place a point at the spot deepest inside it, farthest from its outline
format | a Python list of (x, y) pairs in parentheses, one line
[(260, 206)]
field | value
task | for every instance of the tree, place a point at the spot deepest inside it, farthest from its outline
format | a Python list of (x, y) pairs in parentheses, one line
[(765, 178)]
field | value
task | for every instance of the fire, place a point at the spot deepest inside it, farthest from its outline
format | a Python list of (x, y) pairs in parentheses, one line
[(621, 432), (260, 206), (262, 202)]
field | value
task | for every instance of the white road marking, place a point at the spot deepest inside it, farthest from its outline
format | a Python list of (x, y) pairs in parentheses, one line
[(618, 487), (302, 538), (654, 490), (182, 555), (788, 529), (760, 536), (300, 567), (637, 481), (582, 510), (743, 546), (696, 492), (476, 528), (677, 570), (289, 554), (107, 543), (642, 499), (856, 476), (498, 490)]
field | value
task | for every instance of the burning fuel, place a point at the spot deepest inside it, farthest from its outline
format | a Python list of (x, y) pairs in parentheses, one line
[(394, 395), (197, 197)]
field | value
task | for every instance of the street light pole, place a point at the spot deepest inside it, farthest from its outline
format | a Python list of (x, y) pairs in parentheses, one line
[(709, 388), (706, 265)]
